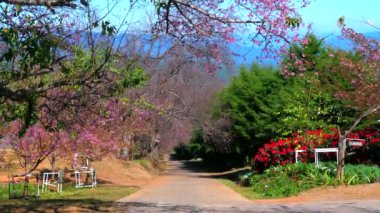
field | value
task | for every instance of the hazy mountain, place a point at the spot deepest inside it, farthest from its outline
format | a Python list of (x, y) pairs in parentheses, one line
[(337, 41), (243, 54)]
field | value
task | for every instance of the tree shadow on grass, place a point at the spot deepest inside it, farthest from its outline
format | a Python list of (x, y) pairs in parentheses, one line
[(58, 205)]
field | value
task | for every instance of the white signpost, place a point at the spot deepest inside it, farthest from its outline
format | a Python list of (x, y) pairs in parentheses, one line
[(316, 153), (355, 141), (324, 150), (297, 153)]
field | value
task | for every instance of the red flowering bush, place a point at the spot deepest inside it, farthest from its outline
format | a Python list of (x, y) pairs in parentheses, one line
[(282, 151)]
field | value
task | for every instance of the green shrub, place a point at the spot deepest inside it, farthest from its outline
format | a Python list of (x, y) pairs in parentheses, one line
[(291, 179), (245, 179), (361, 174)]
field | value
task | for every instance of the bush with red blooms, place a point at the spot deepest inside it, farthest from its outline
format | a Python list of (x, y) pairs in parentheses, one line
[(282, 151)]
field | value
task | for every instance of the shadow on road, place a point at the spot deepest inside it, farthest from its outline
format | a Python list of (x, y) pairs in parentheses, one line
[(200, 169), (287, 208), (161, 207), (58, 205)]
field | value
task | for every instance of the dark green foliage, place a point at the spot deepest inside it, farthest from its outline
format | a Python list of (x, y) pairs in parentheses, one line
[(373, 152), (208, 151), (248, 100), (251, 101), (183, 152), (195, 149), (262, 105), (282, 181)]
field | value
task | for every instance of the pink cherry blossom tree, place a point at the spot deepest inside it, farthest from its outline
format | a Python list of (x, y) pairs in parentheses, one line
[(359, 70), (364, 76), (54, 80)]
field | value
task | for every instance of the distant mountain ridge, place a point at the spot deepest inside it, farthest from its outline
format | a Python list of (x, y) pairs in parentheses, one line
[(245, 54), (335, 41)]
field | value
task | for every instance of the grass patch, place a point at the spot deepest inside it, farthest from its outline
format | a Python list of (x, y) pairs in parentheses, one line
[(244, 191), (100, 198), (16, 190), (102, 193)]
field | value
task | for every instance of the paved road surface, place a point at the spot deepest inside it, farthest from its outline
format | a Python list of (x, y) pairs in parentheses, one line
[(181, 189)]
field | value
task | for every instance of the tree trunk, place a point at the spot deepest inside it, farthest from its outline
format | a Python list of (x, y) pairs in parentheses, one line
[(52, 161), (341, 157), (342, 145), (26, 186)]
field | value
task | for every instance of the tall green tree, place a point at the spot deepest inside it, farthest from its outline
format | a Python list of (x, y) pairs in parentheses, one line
[(262, 105)]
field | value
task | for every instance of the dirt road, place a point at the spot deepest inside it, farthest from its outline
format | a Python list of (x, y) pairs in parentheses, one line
[(181, 189)]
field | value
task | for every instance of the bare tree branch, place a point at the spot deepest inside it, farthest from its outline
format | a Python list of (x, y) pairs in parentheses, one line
[(215, 17), (361, 117), (46, 3)]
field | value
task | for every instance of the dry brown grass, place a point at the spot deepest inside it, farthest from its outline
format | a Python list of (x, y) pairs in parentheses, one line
[(109, 169)]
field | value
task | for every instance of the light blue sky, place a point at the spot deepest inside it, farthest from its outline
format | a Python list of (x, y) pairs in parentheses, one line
[(323, 14)]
